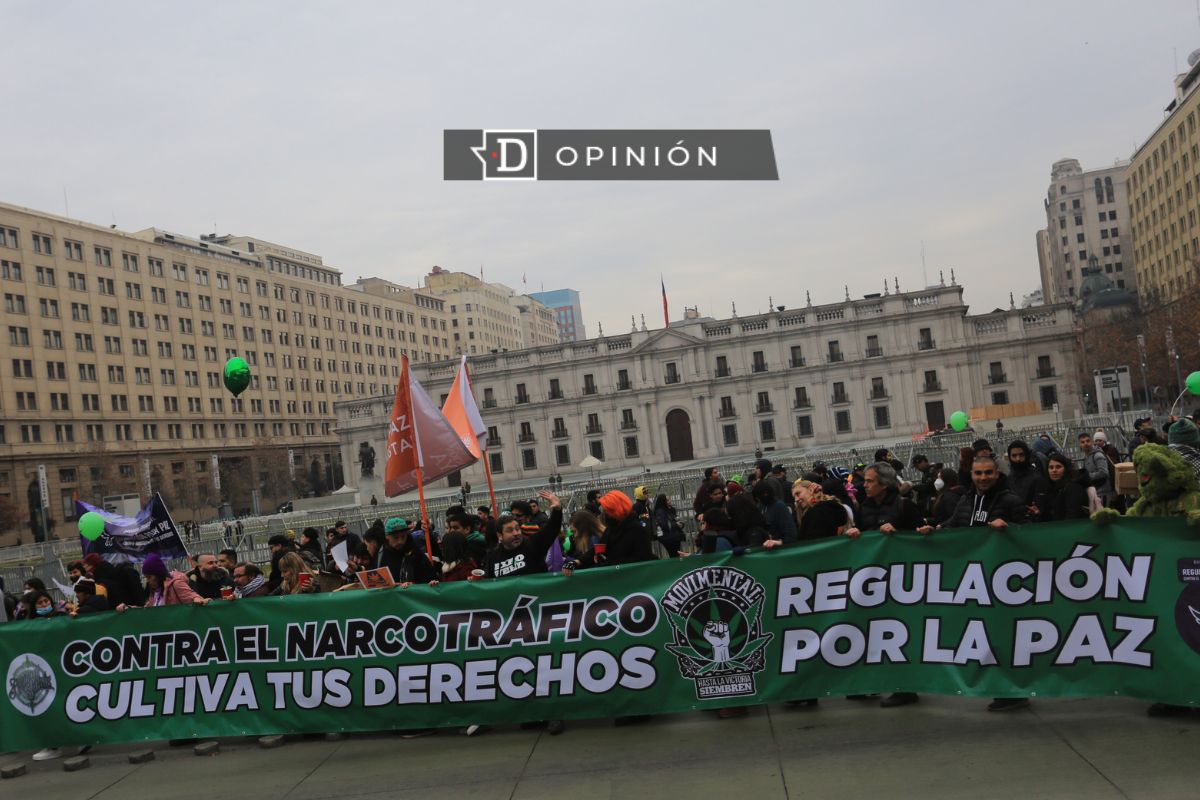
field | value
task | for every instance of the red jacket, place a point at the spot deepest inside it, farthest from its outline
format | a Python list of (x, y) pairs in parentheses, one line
[(459, 572)]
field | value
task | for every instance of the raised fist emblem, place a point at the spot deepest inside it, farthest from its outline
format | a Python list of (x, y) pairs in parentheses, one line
[(717, 635)]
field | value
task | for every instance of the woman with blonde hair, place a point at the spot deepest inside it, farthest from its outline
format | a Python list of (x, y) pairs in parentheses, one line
[(293, 570), (818, 514)]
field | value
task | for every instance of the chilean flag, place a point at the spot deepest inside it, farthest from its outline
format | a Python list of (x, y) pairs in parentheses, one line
[(666, 313)]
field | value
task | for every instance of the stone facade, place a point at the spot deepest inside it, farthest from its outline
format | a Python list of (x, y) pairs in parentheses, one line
[(1087, 222), (884, 367), (1164, 197)]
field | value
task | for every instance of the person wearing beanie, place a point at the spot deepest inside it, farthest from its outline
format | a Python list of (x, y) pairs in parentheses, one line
[(1184, 438), (1023, 477), (165, 586), (762, 473), (87, 601), (625, 539)]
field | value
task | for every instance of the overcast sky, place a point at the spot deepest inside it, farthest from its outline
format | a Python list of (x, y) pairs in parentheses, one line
[(318, 125)]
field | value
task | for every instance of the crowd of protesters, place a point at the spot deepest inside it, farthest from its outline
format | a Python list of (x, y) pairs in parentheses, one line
[(1028, 483)]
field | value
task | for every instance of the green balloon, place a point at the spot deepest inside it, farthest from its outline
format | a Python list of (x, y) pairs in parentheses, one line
[(91, 525), (237, 375), (959, 420), (1193, 383)]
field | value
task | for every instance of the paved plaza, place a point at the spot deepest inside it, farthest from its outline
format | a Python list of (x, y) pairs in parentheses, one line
[(944, 747)]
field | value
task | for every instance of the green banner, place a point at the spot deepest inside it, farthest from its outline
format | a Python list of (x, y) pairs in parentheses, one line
[(1045, 610)]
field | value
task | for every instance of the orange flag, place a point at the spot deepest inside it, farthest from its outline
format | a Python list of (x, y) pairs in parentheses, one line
[(462, 413), (421, 444)]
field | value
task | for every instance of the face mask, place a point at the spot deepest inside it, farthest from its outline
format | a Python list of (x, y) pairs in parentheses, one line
[(44, 610), (939, 484)]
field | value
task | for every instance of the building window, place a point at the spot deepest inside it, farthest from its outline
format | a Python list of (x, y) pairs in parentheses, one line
[(631, 447), (562, 455), (672, 375), (766, 430), (727, 409), (623, 380), (596, 449), (804, 426), (1000, 398), (729, 434), (1049, 397), (883, 418), (842, 421)]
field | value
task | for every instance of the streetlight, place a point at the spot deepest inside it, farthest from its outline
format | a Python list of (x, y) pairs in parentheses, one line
[(1141, 342)]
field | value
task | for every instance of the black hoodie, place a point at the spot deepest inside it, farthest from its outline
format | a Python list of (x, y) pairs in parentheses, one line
[(529, 557), (976, 510)]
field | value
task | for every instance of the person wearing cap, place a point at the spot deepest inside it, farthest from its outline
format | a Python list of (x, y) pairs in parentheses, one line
[(779, 473), (165, 586), (626, 540), (856, 478), (1108, 448), (641, 506), (280, 546), (86, 599), (400, 554), (762, 472)]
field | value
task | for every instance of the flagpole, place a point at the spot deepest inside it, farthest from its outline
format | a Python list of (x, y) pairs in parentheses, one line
[(487, 467), (424, 514), (487, 470)]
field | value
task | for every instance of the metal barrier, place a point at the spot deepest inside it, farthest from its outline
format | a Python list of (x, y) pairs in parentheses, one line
[(47, 560)]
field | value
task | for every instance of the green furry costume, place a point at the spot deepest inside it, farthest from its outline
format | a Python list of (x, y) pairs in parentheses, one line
[(1169, 487)]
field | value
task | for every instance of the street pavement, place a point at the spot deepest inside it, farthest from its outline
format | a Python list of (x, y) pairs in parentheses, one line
[(943, 747)]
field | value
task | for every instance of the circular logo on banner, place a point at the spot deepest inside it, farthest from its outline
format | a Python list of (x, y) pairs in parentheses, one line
[(30, 684), (1187, 615)]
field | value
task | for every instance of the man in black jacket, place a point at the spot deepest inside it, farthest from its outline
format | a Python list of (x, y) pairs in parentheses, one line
[(994, 506), (1024, 479), (521, 554), (991, 504), (882, 508), (407, 562), (207, 579)]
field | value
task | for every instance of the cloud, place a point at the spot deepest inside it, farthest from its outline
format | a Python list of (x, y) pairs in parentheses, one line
[(319, 125)]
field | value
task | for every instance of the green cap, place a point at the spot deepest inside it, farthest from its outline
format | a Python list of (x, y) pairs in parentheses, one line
[(395, 525)]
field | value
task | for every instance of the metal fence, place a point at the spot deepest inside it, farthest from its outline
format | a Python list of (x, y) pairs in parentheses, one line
[(47, 560)]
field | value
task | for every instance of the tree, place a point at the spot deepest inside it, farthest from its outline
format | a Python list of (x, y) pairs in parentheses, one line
[(276, 479)]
